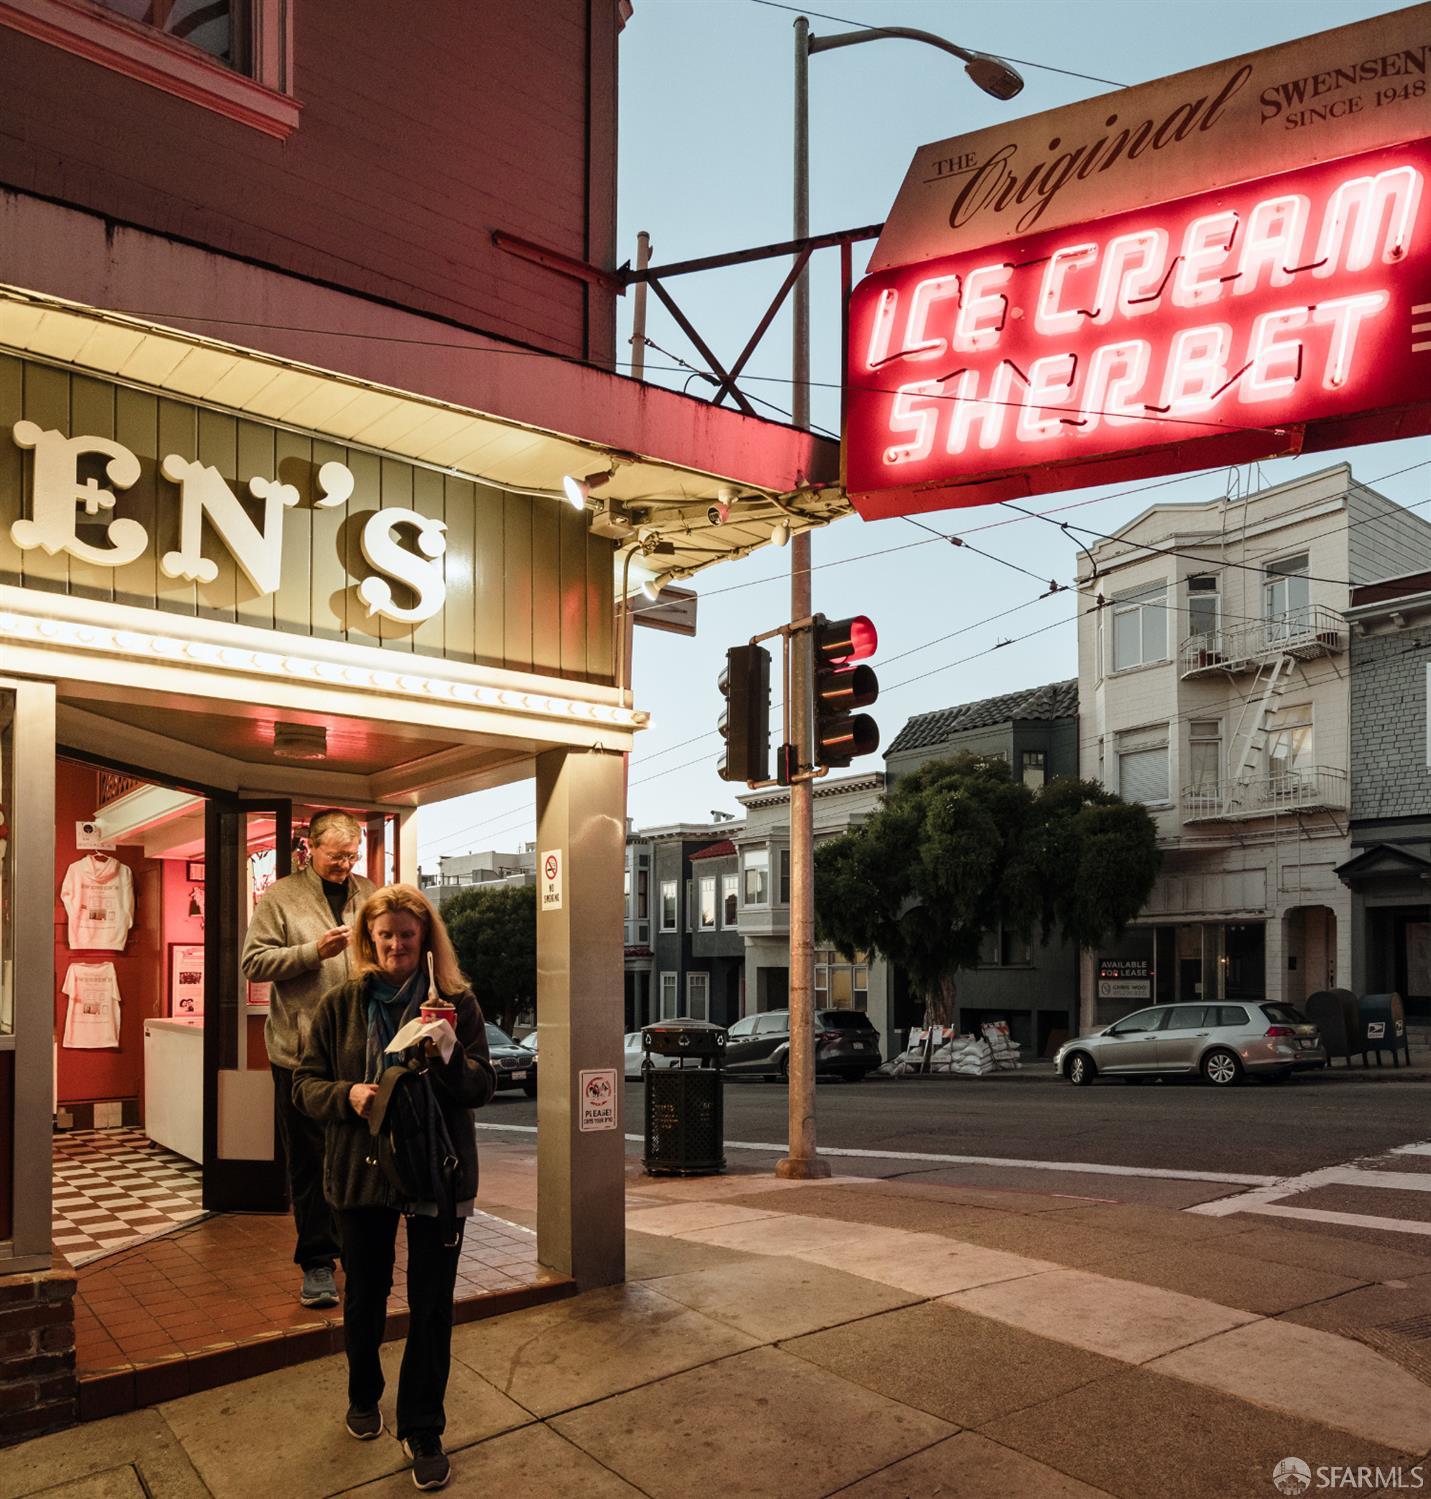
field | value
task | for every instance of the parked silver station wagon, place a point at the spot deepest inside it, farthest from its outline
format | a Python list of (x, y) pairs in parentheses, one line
[(1222, 1041)]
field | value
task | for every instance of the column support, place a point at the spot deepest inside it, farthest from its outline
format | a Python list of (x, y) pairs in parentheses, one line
[(581, 1175)]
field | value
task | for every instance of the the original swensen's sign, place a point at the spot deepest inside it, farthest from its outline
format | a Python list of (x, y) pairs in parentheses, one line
[(1285, 314), (1333, 94), (1221, 265), (58, 495), (525, 586)]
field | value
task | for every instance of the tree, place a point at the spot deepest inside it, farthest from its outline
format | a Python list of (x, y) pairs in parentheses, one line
[(959, 848), (495, 934)]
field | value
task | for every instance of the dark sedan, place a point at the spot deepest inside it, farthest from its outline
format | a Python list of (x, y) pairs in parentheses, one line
[(846, 1045), (515, 1065)]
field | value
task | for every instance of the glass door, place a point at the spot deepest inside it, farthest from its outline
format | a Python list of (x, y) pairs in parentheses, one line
[(247, 845)]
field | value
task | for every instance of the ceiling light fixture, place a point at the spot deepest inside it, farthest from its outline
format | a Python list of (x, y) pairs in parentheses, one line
[(780, 533), (300, 741), (651, 588)]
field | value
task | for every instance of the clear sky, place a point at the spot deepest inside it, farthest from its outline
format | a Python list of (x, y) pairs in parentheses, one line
[(706, 111)]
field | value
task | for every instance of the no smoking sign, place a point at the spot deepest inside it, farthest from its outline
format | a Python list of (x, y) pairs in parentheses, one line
[(551, 872)]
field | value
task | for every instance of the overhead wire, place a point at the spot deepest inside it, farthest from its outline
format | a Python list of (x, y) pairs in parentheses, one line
[(1023, 62), (1210, 566)]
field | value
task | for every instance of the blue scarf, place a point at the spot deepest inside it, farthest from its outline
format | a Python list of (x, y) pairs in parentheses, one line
[(390, 1007)]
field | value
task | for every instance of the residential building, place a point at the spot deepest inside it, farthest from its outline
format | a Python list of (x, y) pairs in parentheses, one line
[(1389, 872), (684, 958), (467, 871), (1031, 984), (763, 845), (1214, 687)]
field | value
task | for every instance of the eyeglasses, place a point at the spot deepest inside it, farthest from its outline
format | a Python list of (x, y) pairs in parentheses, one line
[(337, 858)]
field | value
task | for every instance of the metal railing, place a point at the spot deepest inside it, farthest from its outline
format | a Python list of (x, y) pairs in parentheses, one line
[(1313, 630), (1316, 788)]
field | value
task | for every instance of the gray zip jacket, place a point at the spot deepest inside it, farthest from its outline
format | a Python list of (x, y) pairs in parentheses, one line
[(281, 949)]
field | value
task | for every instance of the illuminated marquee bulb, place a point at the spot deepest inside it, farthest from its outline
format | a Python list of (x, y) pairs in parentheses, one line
[(1131, 275), (1351, 228), (1275, 229), (1206, 246), (1273, 361), (1197, 368), (1345, 314), (882, 329), (921, 421), (1116, 373), (1050, 315), (982, 309), (919, 343)]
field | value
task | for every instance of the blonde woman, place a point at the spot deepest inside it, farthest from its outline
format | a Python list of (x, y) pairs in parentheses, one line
[(401, 953)]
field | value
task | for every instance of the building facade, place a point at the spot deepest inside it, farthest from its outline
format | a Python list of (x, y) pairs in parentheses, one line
[(1214, 687), (456, 872), (763, 848), (294, 357), (1389, 871), (1031, 984)]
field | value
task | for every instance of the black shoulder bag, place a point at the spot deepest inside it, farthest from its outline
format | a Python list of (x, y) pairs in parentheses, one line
[(412, 1147)]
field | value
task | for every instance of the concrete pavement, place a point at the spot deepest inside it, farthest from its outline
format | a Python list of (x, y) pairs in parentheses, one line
[(866, 1337)]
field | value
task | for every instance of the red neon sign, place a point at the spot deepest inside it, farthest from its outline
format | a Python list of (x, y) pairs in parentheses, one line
[(1279, 316)]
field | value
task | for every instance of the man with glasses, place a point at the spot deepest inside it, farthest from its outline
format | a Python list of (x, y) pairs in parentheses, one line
[(297, 943)]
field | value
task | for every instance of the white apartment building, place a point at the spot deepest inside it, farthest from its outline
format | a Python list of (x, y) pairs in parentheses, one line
[(1214, 687)]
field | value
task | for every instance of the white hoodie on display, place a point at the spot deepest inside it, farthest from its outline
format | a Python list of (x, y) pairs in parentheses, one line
[(98, 895)]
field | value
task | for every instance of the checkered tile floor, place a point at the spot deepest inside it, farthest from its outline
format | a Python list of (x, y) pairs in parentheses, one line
[(116, 1187)]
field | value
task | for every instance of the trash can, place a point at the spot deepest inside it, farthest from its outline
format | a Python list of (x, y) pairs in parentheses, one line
[(1334, 1013), (1382, 1027), (685, 1112)]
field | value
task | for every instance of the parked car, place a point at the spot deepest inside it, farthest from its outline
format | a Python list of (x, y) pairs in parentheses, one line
[(846, 1045), (1223, 1042), (515, 1065), (634, 1054)]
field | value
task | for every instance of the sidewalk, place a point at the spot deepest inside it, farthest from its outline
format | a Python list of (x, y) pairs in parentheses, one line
[(870, 1337)]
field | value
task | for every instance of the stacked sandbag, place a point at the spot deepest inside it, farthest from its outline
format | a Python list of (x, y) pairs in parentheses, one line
[(967, 1056), (1002, 1046)]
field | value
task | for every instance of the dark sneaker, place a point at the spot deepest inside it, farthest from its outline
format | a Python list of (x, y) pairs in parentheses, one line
[(430, 1468), (319, 1287), (365, 1425)]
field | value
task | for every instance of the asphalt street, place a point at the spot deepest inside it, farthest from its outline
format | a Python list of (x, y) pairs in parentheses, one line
[(1261, 1128), (1344, 1152)]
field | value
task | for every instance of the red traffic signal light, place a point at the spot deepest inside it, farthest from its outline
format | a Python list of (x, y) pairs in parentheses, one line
[(840, 687)]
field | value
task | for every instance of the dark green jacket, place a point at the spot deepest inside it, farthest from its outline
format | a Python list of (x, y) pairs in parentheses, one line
[(335, 1057)]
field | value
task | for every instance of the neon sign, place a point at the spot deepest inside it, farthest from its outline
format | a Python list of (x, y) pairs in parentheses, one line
[(1282, 315)]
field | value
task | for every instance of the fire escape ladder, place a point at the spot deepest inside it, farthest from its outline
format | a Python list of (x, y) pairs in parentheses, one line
[(1249, 739)]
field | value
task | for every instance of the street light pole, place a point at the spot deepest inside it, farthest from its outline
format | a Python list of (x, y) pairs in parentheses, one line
[(995, 77), (802, 1159)]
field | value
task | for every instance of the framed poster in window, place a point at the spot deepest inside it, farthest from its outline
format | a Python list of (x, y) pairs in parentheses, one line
[(186, 980)]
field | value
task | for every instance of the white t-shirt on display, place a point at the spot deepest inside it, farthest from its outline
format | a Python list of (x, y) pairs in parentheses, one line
[(92, 1019), (98, 895)]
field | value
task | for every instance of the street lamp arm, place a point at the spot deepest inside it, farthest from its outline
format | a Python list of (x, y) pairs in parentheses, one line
[(990, 73)]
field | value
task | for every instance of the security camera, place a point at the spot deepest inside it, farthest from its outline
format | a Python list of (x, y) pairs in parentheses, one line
[(719, 513)]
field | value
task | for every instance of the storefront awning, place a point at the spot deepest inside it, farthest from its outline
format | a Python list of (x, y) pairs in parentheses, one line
[(532, 420)]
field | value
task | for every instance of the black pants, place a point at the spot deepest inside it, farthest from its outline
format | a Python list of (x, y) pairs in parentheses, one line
[(303, 1145), (369, 1237)]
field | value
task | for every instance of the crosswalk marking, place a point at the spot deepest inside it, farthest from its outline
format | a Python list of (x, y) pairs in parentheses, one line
[(1271, 1200)]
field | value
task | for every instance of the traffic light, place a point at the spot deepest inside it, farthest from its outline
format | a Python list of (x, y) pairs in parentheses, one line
[(745, 723), (840, 687)]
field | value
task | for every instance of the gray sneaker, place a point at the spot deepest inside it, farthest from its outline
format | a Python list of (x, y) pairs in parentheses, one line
[(319, 1287)]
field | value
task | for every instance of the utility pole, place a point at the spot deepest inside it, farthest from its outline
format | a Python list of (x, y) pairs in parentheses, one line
[(802, 1159)]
